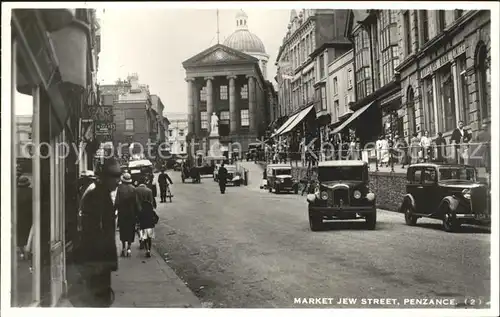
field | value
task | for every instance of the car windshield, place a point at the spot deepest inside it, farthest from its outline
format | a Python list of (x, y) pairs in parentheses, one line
[(457, 174), (340, 173), (283, 172)]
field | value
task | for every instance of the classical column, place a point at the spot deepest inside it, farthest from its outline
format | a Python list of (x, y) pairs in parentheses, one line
[(456, 90), (233, 111), (435, 102), (210, 101), (252, 105), (197, 111), (190, 83)]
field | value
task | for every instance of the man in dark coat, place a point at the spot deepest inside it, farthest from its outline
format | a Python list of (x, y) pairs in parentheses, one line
[(460, 137), (163, 180), (222, 174), (146, 215), (128, 208), (98, 247)]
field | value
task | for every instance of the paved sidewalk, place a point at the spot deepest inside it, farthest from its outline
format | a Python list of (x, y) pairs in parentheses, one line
[(149, 283)]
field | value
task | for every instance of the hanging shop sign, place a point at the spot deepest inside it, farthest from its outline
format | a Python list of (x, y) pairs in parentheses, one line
[(101, 113), (443, 60)]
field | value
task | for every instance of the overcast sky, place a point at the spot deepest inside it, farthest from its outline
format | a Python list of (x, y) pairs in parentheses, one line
[(155, 42)]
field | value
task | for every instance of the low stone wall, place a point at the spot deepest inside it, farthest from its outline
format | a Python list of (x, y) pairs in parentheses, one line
[(389, 189)]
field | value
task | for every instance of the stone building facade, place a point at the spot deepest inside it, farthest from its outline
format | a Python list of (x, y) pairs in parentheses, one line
[(315, 38), (340, 87), (177, 132), (135, 117), (228, 80), (445, 70)]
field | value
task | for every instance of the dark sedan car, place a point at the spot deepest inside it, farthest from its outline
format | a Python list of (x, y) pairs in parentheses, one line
[(451, 193), (342, 193)]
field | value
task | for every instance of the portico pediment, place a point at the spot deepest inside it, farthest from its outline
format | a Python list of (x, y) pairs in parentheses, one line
[(219, 54)]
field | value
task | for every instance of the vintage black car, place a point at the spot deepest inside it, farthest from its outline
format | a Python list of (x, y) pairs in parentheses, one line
[(451, 193), (279, 178), (342, 193)]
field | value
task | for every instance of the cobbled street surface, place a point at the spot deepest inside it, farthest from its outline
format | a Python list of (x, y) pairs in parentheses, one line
[(249, 248)]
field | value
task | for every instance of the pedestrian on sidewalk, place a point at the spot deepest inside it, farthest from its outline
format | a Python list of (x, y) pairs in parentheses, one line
[(163, 180), (98, 252), (128, 208), (147, 216), (441, 148), (414, 148), (222, 174), (425, 145)]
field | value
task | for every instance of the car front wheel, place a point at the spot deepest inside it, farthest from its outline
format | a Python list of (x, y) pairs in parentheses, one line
[(410, 218), (371, 221), (315, 223)]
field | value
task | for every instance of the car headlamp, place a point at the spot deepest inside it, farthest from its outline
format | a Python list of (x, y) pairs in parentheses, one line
[(324, 195), (357, 194), (370, 196), (466, 193)]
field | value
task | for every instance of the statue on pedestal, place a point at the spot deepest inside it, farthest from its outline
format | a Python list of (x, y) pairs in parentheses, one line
[(214, 124)]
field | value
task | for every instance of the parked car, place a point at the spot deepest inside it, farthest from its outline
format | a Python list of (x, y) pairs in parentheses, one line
[(342, 193), (279, 178), (450, 193), (233, 175)]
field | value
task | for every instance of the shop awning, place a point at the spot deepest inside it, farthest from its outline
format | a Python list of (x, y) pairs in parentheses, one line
[(285, 125), (352, 118), (298, 119)]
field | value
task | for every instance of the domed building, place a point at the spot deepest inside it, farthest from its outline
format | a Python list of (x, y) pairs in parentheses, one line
[(229, 80), (247, 42)]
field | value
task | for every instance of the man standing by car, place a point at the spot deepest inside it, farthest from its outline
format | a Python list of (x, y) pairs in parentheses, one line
[(163, 180), (222, 175)]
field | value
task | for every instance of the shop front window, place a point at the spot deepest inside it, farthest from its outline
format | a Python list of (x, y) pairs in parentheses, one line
[(465, 107), (410, 108), (429, 107), (484, 80), (448, 95)]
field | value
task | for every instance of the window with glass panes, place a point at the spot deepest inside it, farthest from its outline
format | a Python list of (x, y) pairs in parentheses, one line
[(245, 121), (363, 76), (448, 95), (129, 124), (223, 92), (224, 115), (204, 121), (429, 107), (323, 98), (322, 66), (244, 92), (388, 45), (465, 107), (203, 94), (407, 30), (424, 17), (441, 19)]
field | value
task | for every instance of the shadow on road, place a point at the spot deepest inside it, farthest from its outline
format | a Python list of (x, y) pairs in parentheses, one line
[(468, 229), (349, 225)]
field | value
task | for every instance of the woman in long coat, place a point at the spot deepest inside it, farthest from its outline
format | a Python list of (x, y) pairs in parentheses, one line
[(128, 207)]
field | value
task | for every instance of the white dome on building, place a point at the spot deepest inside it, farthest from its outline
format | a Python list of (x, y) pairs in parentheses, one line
[(245, 41)]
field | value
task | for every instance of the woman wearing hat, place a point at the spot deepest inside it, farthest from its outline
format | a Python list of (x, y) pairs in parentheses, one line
[(128, 207)]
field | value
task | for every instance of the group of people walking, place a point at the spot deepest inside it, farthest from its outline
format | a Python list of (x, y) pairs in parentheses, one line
[(110, 201)]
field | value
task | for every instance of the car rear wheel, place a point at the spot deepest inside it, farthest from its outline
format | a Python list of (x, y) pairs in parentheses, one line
[(410, 218), (315, 223), (371, 221), (450, 222)]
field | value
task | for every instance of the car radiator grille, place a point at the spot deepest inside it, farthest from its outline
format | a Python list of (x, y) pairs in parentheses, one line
[(479, 201), (335, 196)]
